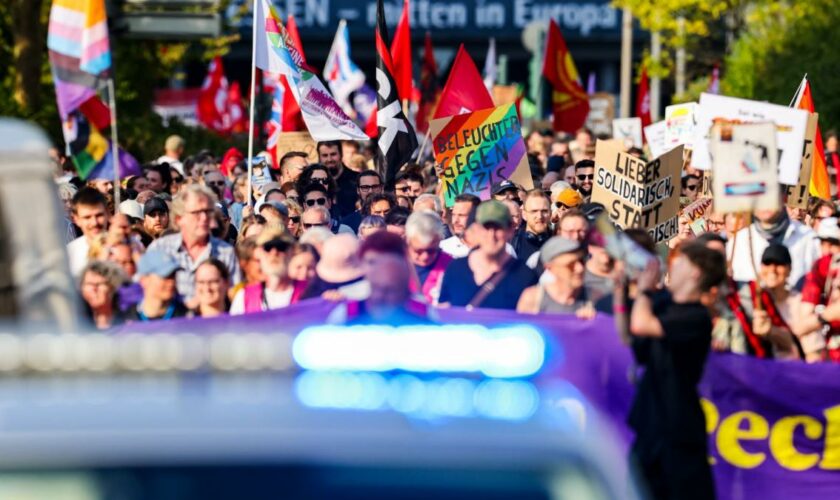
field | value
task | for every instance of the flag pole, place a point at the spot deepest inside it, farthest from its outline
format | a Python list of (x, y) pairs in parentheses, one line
[(115, 148), (796, 97), (251, 105)]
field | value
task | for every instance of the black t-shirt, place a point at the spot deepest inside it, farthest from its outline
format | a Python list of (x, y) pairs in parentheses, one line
[(347, 192), (459, 286), (353, 220), (666, 411), (525, 243), (176, 310)]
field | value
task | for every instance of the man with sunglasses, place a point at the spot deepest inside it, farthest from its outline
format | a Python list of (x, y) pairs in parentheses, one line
[(277, 290), (489, 276), (315, 196), (370, 183), (584, 177), (215, 181), (329, 155), (536, 210), (564, 259)]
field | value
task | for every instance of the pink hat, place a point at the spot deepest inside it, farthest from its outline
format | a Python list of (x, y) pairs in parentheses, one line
[(340, 260)]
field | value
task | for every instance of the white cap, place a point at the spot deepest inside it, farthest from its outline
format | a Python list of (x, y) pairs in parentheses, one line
[(828, 229), (558, 187), (132, 209)]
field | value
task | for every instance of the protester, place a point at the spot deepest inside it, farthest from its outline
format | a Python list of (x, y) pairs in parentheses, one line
[(303, 259), (158, 178), (565, 200), (248, 263), (423, 234), (292, 165), (565, 294), (274, 212), (537, 214), (252, 226), (339, 269), (99, 284), (216, 182), (458, 222), (598, 277), (316, 201), (506, 190), (370, 183), (671, 340), (828, 234), (396, 219), (91, 216), (193, 211), (370, 225), (819, 314), (585, 175), (156, 271), (346, 180), (173, 149), (427, 202), (211, 286), (691, 186), (573, 225), (489, 276), (293, 221), (155, 217)]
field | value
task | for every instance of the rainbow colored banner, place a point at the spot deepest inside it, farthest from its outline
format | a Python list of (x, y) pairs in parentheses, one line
[(477, 151)]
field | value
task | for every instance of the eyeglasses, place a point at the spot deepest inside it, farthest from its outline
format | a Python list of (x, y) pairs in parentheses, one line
[(307, 225), (585, 177), (370, 187), (198, 213), (276, 244), (319, 201), (295, 218)]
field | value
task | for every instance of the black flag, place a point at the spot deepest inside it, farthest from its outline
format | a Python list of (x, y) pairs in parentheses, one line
[(397, 140)]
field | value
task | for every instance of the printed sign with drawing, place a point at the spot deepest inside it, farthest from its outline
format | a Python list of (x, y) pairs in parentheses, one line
[(297, 141), (655, 135), (799, 195), (639, 194), (679, 125), (790, 130), (628, 130), (477, 151), (744, 162)]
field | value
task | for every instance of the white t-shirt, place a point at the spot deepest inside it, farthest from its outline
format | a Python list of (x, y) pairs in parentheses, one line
[(274, 300), (176, 164), (456, 247), (77, 253)]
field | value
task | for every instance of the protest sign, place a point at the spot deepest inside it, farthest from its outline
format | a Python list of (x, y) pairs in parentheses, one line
[(799, 195), (655, 135), (476, 151), (628, 130), (790, 130), (297, 141), (744, 162), (639, 194), (601, 113), (679, 125)]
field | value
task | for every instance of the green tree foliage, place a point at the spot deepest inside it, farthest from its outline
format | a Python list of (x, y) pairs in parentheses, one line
[(780, 43)]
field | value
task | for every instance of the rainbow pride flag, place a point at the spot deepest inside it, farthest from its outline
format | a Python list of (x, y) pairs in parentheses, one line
[(88, 147)]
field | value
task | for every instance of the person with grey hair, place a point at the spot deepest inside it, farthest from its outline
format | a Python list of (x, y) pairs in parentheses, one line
[(319, 216), (423, 233), (193, 210), (427, 202), (370, 225), (99, 284), (66, 192)]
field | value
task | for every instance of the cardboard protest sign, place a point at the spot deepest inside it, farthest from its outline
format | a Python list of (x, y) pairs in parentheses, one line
[(601, 113), (799, 195), (297, 141), (477, 151), (655, 135), (639, 194), (628, 130), (790, 130), (744, 162), (679, 125)]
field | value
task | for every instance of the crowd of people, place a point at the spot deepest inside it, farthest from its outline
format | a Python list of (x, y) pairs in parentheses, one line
[(185, 241)]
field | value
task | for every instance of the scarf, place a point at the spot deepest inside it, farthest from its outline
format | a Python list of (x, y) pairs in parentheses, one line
[(777, 230)]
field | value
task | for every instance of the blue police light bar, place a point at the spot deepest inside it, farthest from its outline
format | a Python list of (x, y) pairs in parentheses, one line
[(508, 352)]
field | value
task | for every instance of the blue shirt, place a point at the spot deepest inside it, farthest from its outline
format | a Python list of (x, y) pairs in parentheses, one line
[(185, 278)]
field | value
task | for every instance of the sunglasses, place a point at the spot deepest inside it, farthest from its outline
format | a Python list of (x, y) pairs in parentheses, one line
[(277, 244), (307, 225), (320, 180), (585, 177), (217, 183), (692, 187), (295, 218), (558, 204), (178, 180), (319, 201)]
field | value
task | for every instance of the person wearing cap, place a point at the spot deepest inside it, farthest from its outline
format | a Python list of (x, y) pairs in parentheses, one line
[(536, 209), (563, 201), (489, 276), (155, 217), (828, 234), (133, 210), (339, 273), (273, 211), (565, 294), (194, 211), (585, 177), (157, 271), (764, 313), (277, 290), (173, 149), (506, 190)]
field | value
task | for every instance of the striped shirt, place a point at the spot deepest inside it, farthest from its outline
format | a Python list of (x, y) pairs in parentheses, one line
[(173, 245)]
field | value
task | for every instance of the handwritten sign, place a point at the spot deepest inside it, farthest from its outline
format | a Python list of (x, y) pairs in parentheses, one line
[(799, 195), (639, 194), (601, 113), (477, 151), (628, 130), (697, 209), (744, 162), (790, 130), (655, 135), (297, 141), (679, 125)]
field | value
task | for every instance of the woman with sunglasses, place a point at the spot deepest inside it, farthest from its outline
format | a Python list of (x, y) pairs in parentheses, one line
[(293, 223), (691, 185), (316, 173)]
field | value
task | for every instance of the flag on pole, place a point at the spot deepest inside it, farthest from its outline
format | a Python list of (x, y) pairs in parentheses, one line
[(364, 103), (292, 119), (643, 98), (236, 110), (276, 53), (490, 68), (397, 140), (464, 91), (820, 180), (569, 101), (212, 105), (340, 72), (401, 56), (714, 81), (429, 88)]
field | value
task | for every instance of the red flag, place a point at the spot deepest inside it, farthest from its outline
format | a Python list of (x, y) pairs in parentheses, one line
[(643, 98), (212, 103), (401, 56), (372, 127), (429, 88), (236, 110), (97, 113), (820, 180), (569, 100), (464, 91)]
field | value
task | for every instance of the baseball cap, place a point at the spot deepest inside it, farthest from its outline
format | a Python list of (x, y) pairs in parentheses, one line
[(591, 210), (493, 211), (279, 205), (828, 229), (504, 186), (776, 254), (155, 204), (132, 209), (158, 263), (569, 197), (557, 246)]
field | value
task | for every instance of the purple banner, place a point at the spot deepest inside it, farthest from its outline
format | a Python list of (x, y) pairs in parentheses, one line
[(774, 427)]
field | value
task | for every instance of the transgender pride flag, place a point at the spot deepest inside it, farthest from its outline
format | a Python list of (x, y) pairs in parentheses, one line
[(340, 72), (276, 54)]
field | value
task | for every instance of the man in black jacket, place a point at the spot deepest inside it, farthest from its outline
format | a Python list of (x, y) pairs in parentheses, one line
[(536, 212)]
